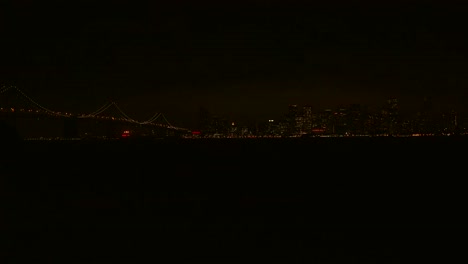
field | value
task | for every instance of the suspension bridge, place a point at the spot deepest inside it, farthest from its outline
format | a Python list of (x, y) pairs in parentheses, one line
[(33, 120)]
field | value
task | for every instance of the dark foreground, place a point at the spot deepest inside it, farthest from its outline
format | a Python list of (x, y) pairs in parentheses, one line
[(345, 200)]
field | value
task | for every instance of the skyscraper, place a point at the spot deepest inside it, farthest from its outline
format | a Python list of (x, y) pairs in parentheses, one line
[(307, 119)]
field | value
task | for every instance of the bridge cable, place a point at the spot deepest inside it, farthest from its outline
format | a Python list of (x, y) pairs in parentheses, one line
[(4, 89), (152, 119), (124, 114), (99, 110), (167, 121), (37, 104), (93, 114)]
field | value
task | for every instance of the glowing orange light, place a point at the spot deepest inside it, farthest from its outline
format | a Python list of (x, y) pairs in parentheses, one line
[(318, 130)]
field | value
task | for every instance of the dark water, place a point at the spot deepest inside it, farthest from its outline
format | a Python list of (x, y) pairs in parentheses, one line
[(328, 200)]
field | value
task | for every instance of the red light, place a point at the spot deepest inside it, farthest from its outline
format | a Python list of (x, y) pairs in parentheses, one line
[(196, 132), (126, 133)]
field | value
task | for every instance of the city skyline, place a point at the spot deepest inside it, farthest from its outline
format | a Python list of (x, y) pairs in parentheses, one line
[(23, 99), (110, 121), (179, 56), (243, 131)]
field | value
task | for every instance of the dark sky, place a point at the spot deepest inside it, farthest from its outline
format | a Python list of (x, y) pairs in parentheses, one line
[(240, 59)]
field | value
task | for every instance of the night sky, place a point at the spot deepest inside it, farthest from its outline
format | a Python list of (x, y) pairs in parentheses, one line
[(247, 60)]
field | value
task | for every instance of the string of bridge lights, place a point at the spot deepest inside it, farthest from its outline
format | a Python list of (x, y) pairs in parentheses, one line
[(94, 114)]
